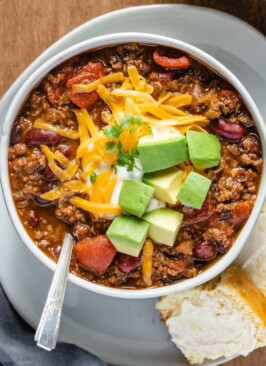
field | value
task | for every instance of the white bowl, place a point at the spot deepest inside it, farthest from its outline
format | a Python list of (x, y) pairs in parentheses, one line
[(114, 39)]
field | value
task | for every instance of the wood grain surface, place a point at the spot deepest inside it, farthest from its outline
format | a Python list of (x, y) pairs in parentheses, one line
[(28, 27)]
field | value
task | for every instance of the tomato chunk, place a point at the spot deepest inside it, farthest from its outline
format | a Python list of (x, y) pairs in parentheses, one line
[(90, 72), (83, 100), (171, 61), (95, 254), (241, 212)]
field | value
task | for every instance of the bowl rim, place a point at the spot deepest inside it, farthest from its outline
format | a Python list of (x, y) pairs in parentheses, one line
[(101, 42)]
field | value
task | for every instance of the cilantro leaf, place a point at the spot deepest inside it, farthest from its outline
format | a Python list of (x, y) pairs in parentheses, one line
[(130, 121), (128, 159), (113, 131), (111, 146), (93, 177)]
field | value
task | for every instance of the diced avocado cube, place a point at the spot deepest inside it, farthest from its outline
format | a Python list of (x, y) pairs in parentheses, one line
[(166, 183), (194, 190), (128, 234), (204, 149), (164, 225), (134, 197), (162, 154)]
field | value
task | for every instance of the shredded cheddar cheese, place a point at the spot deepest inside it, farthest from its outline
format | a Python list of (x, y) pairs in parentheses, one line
[(124, 95), (95, 208), (88, 88), (71, 134), (147, 262)]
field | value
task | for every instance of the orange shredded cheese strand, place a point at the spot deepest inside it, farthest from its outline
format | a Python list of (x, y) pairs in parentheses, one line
[(184, 129), (52, 195), (71, 134), (85, 123), (101, 188), (61, 159), (147, 262), (95, 208), (88, 88), (172, 110), (180, 100)]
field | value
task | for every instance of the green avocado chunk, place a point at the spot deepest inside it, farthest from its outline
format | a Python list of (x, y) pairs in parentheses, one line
[(161, 154), (128, 234), (204, 149), (194, 190), (134, 197), (164, 225), (166, 183)]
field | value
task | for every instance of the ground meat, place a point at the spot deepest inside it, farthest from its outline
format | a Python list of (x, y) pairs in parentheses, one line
[(251, 144), (221, 235), (251, 160), (54, 85), (228, 189), (243, 118), (70, 214), (115, 63), (81, 231), (61, 116), (17, 150), (228, 101), (116, 277), (169, 269), (247, 153)]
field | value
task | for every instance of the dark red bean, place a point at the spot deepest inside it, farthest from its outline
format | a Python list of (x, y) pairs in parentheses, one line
[(37, 137), (49, 175), (16, 134), (127, 263), (33, 218), (65, 149), (205, 252), (42, 202), (229, 131)]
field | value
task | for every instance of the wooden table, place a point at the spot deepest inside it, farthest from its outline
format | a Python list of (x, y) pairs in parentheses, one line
[(28, 27)]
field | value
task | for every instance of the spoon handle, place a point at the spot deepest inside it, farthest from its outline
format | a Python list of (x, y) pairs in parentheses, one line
[(47, 332)]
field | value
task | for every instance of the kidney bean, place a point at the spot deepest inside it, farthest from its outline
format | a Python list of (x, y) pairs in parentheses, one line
[(49, 175), (226, 130), (37, 137), (205, 251), (16, 134), (33, 218), (127, 263), (42, 202)]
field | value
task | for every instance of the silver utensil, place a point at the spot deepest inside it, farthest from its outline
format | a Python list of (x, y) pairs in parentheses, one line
[(47, 332)]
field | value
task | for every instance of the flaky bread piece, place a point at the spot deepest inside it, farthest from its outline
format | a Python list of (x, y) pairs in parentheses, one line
[(225, 317), (255, 267)]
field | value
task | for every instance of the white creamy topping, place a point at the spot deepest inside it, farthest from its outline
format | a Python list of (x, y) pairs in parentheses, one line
[(154, 204), (211, 328), (122, 174)]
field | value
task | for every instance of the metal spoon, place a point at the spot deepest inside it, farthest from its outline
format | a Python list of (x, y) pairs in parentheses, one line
[(47, 332)]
